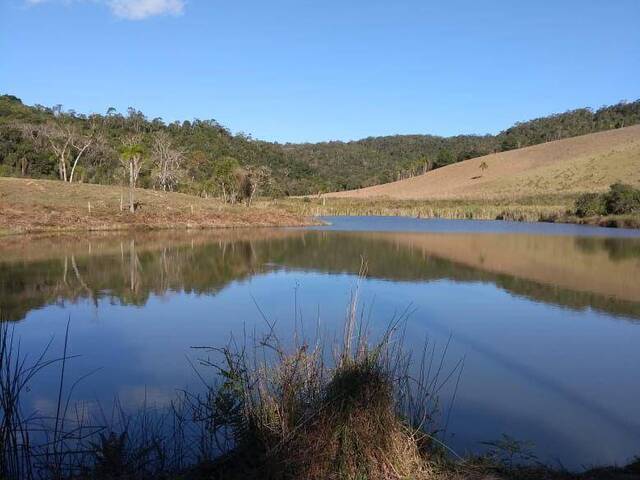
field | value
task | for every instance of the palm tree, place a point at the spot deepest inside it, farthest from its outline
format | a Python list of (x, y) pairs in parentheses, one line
[(131, 157)]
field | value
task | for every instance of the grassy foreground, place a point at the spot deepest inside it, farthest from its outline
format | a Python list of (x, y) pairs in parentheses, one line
[(28, 206)]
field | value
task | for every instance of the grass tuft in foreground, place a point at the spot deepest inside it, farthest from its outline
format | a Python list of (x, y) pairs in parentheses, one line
[(295, 415)]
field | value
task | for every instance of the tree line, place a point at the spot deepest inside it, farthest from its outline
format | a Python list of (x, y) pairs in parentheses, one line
[(202, 157), (375, 160)]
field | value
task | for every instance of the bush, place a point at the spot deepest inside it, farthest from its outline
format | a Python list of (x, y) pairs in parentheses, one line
[(590, 204), (7, 171), (619, 200), (622, 199)]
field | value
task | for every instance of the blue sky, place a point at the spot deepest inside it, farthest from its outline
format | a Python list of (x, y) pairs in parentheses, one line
[(300, 70)]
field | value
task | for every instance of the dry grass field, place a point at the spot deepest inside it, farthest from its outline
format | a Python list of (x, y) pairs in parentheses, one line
[(28, 205), (588, 163)]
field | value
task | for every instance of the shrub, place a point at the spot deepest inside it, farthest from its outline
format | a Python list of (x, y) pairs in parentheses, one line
[(6, 171), (622, 199), (590, 204), (619, 200)]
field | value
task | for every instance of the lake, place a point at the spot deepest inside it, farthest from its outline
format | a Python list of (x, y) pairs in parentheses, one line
[(546, 317)]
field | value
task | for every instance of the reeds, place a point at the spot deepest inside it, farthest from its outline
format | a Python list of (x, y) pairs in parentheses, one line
[(84, 441), (523, 209), (32, 444)]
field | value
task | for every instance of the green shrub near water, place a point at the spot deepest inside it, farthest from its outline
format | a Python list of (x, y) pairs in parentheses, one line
[(621, 199), (590, 204)]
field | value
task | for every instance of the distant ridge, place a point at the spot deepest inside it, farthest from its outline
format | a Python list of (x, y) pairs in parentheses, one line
[(586, 163)]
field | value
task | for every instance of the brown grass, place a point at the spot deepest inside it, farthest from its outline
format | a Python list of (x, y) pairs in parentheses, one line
[(292, 416), (587, 163), (28, 206), (526, 209)]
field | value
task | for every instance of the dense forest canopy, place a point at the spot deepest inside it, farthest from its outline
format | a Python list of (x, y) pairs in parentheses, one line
[(203, 157)]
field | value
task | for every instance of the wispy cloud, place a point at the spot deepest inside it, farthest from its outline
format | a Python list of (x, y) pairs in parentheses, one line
[(131, 9), (141, 9)]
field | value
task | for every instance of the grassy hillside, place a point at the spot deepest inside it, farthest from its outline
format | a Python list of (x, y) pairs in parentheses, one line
[(206, 154), (44, 205), (587, 163)]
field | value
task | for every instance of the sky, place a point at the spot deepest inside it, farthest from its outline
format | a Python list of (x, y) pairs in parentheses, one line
[(311, 70)]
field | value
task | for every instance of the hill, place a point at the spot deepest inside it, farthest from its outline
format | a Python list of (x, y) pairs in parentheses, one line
[(588, 163), (203, 155), (28, 205)]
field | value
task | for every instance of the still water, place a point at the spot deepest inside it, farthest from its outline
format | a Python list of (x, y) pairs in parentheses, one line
[(547, 317)]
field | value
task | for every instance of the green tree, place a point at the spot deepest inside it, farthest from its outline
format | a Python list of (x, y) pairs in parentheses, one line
[(445, 157), (225, 173)]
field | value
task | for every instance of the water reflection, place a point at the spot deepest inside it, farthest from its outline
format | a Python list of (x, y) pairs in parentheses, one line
[(573, 272), (548, 323)]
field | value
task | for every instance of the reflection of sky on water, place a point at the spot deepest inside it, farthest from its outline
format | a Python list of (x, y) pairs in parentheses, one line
[(441, 225), (550, 375)]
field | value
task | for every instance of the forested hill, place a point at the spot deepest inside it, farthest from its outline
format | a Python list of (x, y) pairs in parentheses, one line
[(203, 157)]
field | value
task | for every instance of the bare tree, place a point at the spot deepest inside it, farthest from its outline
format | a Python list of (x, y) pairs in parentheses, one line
[(58, 136), (167, 162), (81, 143), (65, 140)]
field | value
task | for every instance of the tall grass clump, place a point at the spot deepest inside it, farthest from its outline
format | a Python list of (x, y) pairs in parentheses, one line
[(13, 377), (34, 445), (302, 412)]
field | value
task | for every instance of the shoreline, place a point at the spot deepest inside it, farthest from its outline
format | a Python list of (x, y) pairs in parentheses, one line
[(552, 209), (44, 231), (29, 206)]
